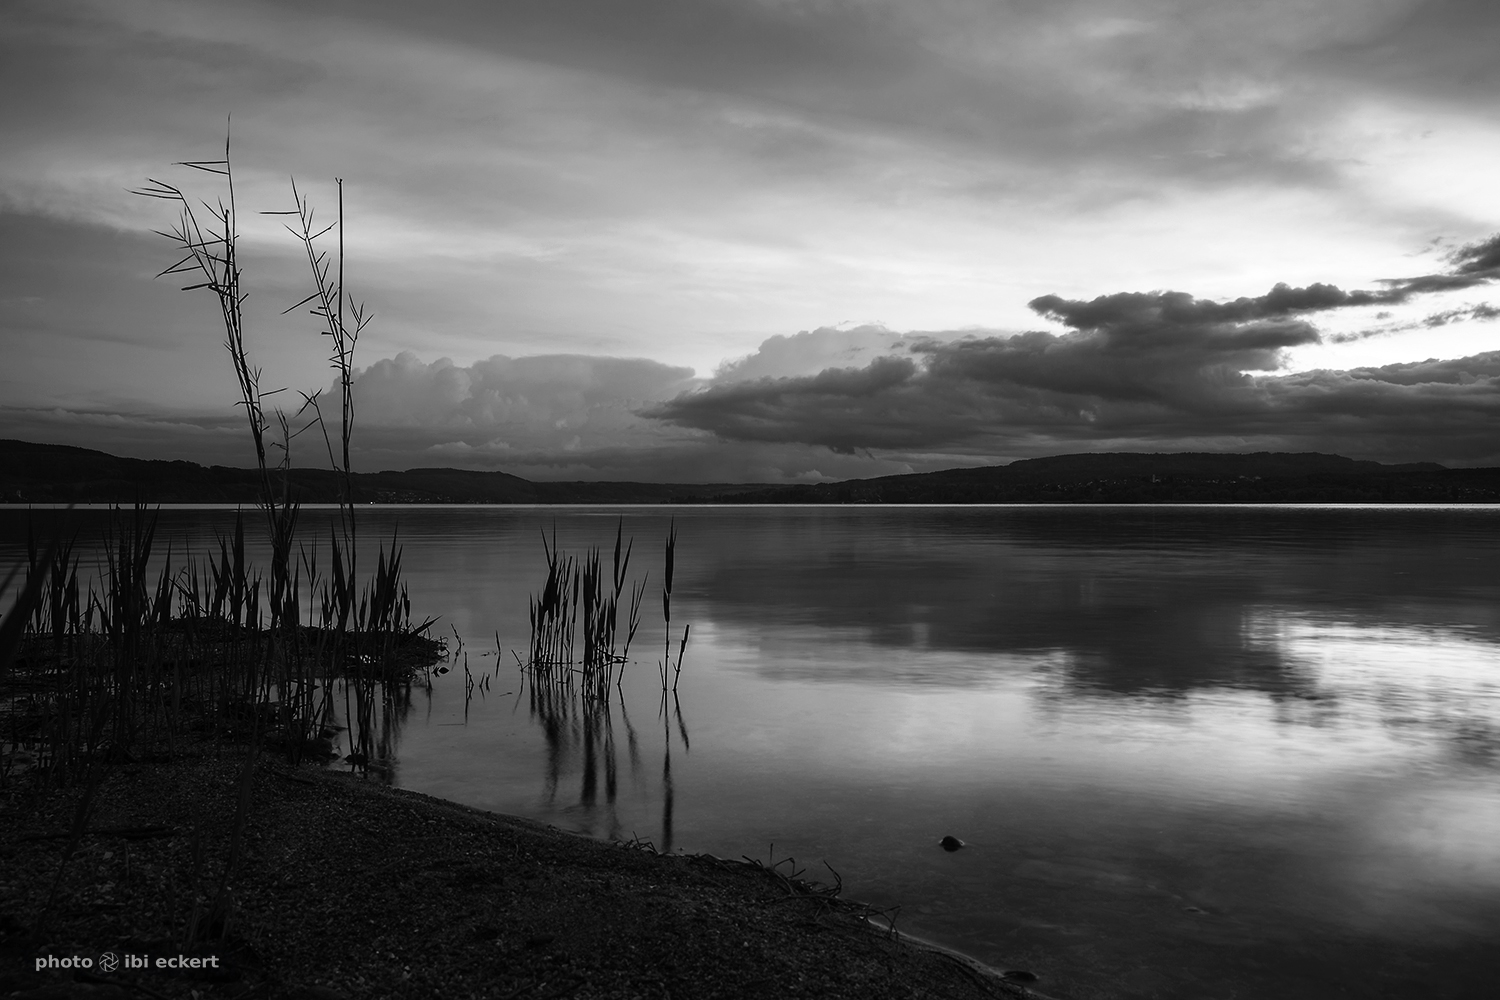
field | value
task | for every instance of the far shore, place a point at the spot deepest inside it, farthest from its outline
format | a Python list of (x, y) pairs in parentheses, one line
[(44, 473)]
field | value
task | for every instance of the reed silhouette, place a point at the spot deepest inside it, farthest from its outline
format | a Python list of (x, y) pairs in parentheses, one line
[(162, 644), (578, 652), (575, 619)]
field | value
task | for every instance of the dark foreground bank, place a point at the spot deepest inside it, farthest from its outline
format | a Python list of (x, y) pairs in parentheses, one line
[(341, 887)]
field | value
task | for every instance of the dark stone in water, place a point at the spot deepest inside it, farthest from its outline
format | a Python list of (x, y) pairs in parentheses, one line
[(950, 843), (1019, 976)]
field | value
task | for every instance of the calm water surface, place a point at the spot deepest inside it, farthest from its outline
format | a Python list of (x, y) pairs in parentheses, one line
[(1193, 751)]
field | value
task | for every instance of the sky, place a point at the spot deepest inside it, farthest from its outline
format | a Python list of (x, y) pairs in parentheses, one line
[(766, 240)]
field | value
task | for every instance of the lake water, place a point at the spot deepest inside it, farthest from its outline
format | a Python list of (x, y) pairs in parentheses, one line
[(1194, 752)]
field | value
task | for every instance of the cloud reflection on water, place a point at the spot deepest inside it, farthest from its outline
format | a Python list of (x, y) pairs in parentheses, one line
[(1375, 617)]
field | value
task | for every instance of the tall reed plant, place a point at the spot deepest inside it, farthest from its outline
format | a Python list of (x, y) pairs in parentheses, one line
[(261, 651)]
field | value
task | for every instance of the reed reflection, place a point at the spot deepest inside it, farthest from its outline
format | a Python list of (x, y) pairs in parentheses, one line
[(578, 653), (373, 718), (668, 792), (579, 729)]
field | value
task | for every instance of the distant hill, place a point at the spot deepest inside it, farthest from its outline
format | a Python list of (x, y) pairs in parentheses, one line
[(46, 473), (41, 473), (1183, 477)]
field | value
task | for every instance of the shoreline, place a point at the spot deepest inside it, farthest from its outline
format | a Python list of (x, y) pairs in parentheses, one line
[(342, 887)]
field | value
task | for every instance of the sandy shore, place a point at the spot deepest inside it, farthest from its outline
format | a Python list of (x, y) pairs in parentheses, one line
[(341, 887)]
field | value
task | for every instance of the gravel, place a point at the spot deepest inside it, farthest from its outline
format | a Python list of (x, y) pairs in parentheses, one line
[(340, 887)]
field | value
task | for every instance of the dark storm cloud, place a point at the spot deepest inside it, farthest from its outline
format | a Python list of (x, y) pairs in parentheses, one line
[(558, 417), (1134, 368), (1134, 319), (1170, 313), (830, 408), (1482, 258)]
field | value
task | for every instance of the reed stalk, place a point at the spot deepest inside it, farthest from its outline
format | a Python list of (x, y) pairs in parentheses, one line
[(667, 668), (158, 643)]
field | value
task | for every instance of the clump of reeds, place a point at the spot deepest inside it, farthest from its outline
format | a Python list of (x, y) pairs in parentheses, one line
[(577, 595), (109, 672), (578, 592), (235, 648), (129, 663), (360, 623)]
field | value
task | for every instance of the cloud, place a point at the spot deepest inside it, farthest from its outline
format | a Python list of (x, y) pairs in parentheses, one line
[(1384, 327), (675, 179), (559, 402), (562, 417), (1479, 259), (1132, 370), (811, 351), (831, 408), (1482, 311), (1128, 371), (206, 439)]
